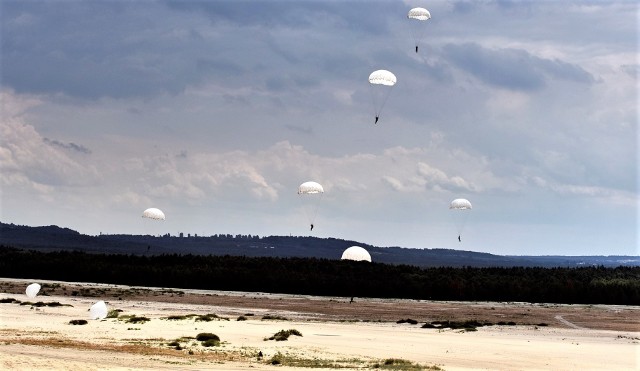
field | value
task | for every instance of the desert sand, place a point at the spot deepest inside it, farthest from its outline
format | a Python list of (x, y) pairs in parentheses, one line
[(335, 333)]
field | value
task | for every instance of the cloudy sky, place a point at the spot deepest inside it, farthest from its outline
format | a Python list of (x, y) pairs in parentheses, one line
[(216, 111)]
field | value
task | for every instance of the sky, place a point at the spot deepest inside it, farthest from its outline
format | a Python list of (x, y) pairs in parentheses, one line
[(216, 111)]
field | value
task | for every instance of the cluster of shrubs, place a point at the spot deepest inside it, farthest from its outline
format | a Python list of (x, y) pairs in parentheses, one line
[(468, 325), (283, 335)]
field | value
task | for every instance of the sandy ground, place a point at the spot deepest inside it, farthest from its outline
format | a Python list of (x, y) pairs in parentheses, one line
[(335, 333)]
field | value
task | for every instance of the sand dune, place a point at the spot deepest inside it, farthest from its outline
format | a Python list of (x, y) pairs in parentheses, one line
[(42, 338)]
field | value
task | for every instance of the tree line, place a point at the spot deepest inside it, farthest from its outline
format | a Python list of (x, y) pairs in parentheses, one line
[(325, 277)]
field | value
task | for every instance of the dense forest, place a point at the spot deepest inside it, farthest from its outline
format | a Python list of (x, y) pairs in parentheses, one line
[(54, 238), (314, 276)]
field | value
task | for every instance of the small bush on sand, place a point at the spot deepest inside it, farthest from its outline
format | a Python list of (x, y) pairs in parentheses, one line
[(8, 300), (211, 343), (242, 318), (208, 339), (78, 322), (210, 317), (133, 319), (408, 320), (204, 336), (283, 335), (272, 317), (113, 313)]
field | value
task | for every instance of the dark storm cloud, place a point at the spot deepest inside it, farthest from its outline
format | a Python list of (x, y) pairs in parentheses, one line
[(118, 49), (95, 49), (68, 146), (512, 68)]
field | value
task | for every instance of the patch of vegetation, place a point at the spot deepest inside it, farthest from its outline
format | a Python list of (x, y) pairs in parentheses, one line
[(43, 304), (241, 318), (273, 317), (283, 335), (210, 343), (469, 325), (8, 300), (402, 364), (180, 317), (133, 319), (208, 339), (408, 320), (210, 317), (114, 313), (78, 322), (350, 363)]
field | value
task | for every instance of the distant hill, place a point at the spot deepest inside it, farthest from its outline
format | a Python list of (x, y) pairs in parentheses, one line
[(54, 238)]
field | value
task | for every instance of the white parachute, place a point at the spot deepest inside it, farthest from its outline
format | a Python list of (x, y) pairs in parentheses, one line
[(153, 213), (417, 18), (32, 290), (381, 83), (153, 221), (356, 253), (310, 194), (460, 208), (98, 310)]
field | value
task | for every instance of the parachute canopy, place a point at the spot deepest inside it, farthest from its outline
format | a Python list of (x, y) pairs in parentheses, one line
[(460, 204), (419, 14), (310, 194), (417, 17), (32, 290), (153, 213), (381, 83), (460, 209), (356, 253), (98, 310), (382, 77), (310, 188)]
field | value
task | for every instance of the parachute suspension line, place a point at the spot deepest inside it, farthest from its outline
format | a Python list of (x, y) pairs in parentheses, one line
[(384, 99), (379, 105)]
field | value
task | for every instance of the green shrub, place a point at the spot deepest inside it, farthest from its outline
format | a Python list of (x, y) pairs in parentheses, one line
[(133, 319), (78, 322), (113, 313), (408, 320), (211, 343), (204, 336), (210, 317), (283, 335)]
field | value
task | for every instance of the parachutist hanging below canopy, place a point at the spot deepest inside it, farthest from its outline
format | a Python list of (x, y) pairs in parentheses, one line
[(460, 208), (310, 194), (381, 83), (417, 17)]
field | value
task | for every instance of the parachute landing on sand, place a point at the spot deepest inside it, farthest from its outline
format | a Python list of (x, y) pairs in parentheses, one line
[(32, 290)]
